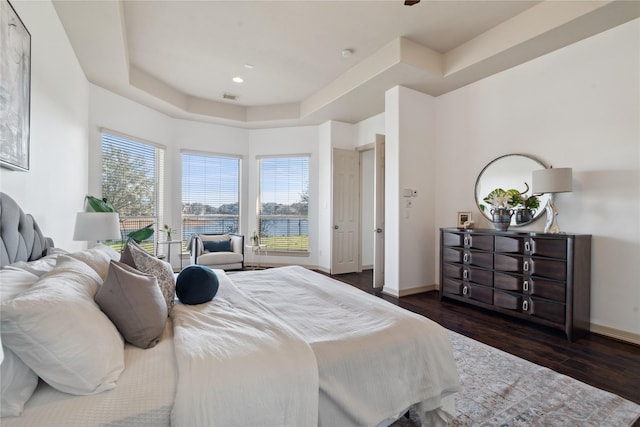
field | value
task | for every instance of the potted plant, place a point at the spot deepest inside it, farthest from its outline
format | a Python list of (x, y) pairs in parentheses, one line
[(502, 203), (527, 208)]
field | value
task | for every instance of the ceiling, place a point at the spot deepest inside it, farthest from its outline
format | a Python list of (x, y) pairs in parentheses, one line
[(179, 57)]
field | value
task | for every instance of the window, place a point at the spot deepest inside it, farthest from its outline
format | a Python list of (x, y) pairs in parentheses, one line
[(132, 180), (210, 194), (283, 204)]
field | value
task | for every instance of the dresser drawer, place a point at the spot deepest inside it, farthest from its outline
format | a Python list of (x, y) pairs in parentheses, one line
[(478, 241), (468, 257), (479, 259), (537, 307), (542, 288), (453, 239), (541, 267), (467, 273), (468, 290), (535, 246), (452, 254)]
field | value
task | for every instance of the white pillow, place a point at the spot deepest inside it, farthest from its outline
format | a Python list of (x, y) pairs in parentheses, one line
[(17, 385), (98, 258), (58, 330)]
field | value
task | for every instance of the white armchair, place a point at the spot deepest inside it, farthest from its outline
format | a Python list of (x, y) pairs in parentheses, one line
[(222, 251)]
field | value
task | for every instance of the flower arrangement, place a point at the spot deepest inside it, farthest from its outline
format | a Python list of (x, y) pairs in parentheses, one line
[(168, 230), (502, 199)]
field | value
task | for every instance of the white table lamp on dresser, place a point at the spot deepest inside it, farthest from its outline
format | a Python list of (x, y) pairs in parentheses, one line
[(551, 181)]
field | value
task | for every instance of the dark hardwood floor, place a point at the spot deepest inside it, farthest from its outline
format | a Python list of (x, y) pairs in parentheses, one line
[(602, 362)]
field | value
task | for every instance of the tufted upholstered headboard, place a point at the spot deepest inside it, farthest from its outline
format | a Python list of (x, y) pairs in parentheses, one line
[(20, 236)]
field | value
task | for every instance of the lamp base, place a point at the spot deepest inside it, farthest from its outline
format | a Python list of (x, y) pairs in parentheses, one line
[(552, 218)]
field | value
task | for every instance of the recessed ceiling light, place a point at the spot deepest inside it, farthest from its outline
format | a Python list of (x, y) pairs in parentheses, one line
[(346, 53), (238, 79), (248, 66)]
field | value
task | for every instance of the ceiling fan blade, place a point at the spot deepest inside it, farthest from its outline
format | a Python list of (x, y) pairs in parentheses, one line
[(410, 2)]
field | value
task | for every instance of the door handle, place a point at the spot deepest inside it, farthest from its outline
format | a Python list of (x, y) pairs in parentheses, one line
[(335, 227), (378, 230)]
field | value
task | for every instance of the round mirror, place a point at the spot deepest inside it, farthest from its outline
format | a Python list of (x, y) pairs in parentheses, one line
[(510, 172)]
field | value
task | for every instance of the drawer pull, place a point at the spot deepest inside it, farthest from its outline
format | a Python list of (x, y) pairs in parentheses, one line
[(525, 286), (465, 274), (525, 267), (465, 258), (525, 305), (465, 290), (527, 246), (467, 240)]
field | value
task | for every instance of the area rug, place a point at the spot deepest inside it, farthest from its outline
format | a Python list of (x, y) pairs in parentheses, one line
[(500, 389)]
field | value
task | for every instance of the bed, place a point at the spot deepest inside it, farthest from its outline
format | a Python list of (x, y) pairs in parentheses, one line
[(278, 347)]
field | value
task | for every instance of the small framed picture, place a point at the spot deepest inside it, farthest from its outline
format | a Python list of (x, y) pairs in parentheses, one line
[(462, 218)]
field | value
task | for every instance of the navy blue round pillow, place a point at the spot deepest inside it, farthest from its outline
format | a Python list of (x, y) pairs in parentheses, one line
[(196, 284)]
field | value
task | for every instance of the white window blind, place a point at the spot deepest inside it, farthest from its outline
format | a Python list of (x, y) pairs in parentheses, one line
[(132, 180), (283, 204), (210, 194)]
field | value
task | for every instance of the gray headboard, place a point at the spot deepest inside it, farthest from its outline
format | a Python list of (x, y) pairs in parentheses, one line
[(20, 236)]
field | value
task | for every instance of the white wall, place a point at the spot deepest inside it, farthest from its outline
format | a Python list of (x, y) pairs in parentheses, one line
[(366, 130), (410, 163), (578, 107), (54, 188)]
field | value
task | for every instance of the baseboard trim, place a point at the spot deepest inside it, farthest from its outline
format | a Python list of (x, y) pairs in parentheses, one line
[(614, 333), (411, 291)]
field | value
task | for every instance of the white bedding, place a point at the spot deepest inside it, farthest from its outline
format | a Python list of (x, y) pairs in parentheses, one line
[(280, 347), (240, 366), (143, 396), (375, 359)]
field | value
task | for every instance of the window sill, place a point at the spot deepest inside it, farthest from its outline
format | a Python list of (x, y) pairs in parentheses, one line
[(280, 252)]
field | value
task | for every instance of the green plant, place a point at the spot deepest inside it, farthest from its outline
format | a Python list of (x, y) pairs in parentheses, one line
[(103, 205), (528, 202)]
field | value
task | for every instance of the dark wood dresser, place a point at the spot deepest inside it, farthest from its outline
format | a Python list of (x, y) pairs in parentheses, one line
[(543, 278)]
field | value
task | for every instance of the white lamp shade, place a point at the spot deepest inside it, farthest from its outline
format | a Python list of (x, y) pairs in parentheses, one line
[(95, 226), (552, 180)]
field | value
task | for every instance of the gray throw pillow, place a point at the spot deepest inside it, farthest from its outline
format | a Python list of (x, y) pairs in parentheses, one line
[(133, 302), (143, 261)]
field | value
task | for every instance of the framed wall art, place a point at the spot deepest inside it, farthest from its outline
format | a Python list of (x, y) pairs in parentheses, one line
[(15, 89)]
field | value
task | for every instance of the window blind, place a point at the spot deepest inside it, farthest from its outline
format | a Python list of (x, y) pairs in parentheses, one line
[(210, 194), (283, 205), (132, 180)]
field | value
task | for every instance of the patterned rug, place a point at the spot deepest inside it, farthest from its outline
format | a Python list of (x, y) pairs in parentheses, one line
[(500, 389)]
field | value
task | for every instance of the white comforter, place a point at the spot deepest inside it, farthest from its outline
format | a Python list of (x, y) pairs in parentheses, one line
[(375, 359), (238, 365)]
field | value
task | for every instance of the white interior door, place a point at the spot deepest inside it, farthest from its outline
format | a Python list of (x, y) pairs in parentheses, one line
[(378, 241), (346, 211)]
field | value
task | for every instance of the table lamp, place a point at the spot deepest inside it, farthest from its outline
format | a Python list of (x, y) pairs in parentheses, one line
[(97, 226), (551, 181)]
